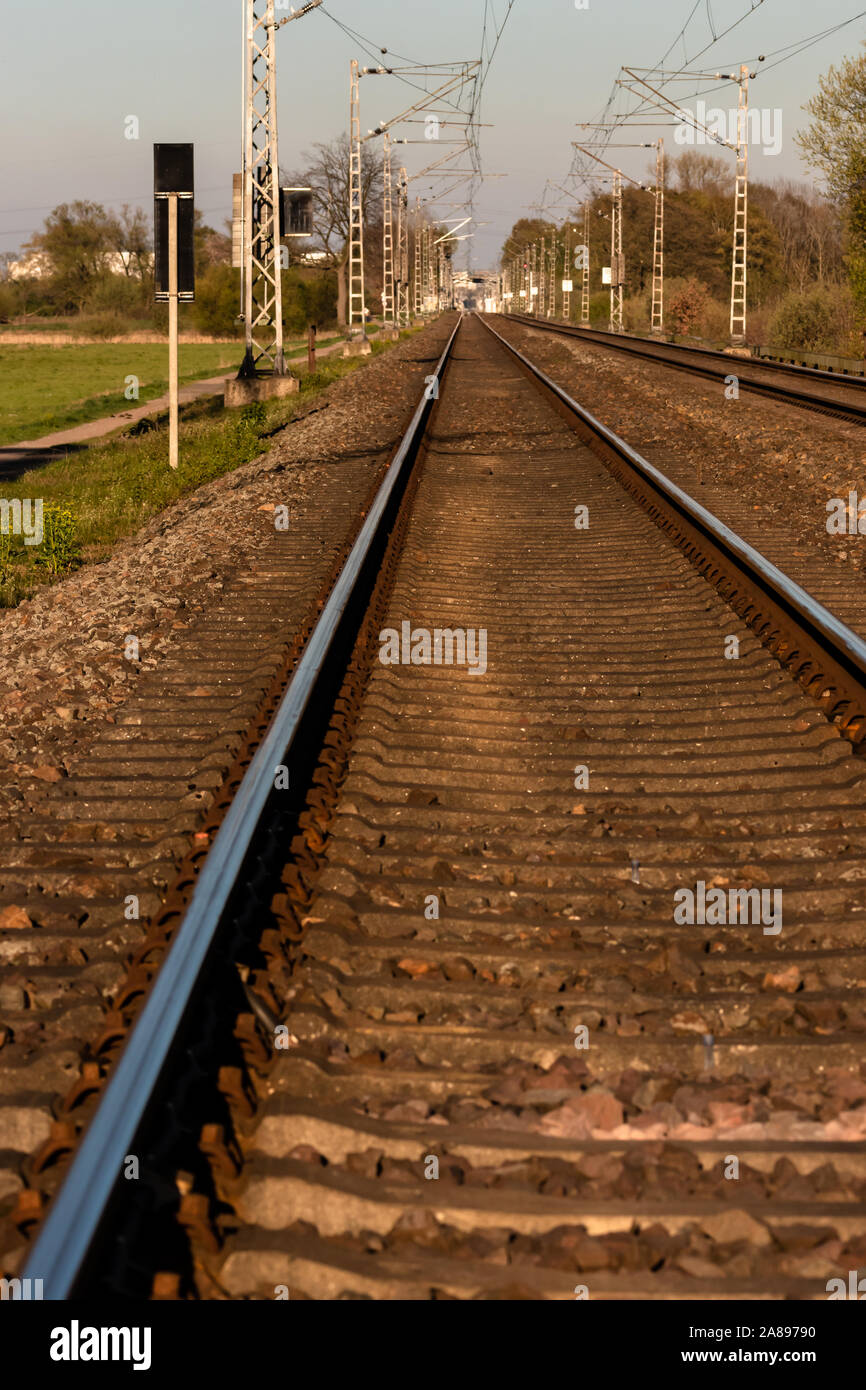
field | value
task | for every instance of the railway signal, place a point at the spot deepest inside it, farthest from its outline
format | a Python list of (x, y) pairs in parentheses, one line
[(174, 263)]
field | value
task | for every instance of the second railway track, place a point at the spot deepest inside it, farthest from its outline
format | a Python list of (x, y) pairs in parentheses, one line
[(810, 388), (451, 1038)]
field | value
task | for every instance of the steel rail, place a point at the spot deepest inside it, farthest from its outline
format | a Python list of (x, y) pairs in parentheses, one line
[(843, 642), (74, 1216), (726, 364)]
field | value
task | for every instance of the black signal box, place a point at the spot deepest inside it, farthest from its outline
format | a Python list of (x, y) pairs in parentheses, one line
[(296, 212), (173, 175)]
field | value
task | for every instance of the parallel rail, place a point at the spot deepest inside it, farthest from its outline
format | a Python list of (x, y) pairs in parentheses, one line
[(807, 387), (827, 657), (80, 1205)]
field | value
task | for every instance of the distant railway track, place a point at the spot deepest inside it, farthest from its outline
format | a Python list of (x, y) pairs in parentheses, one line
[(425, 1023), (843, 397)]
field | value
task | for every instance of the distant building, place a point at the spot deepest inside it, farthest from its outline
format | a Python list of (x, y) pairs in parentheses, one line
[(38, 265)]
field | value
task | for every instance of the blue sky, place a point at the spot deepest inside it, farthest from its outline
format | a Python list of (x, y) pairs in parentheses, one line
[(71, 79)]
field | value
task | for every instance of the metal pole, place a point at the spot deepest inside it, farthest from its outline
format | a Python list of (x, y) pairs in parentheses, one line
[(584, 289), (551, 300), (417, 285), (172, 330), (388, 320), (533, 278), (616, 260), (566, 276), (356, 214), (403, 250), (658, 299), (741, 200), (263, 295)]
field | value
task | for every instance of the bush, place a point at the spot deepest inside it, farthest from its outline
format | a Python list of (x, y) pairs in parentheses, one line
[(9, 303), (116, 294), (686, 306), (599, 308), (715, 321), (105, 325), (5, 555), (217, 302), (637, 312), (309, 298), (60, 550), (821, 320)]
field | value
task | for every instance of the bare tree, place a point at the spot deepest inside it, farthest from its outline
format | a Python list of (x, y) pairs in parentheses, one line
[(702, 173), (809, 229), (131, 239), (326, 171)]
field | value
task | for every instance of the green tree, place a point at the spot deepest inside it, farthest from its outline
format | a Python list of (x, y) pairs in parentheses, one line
[(835, 143), (309, 296), (525, 231), (77, 241), (217, 302)]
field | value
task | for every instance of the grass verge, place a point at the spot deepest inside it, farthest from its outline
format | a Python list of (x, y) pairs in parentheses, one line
[(102, 494), (43, 390)]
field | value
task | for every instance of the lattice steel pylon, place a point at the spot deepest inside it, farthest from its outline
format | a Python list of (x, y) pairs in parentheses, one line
[(417, 259), (617, 275), (741, 210), (431, 270), (551, 290), (658, 299), (422, 236), (566, 272), (584, 286), (403, 250), (262, 291), (388, 317), (356, 318), (533, 279)]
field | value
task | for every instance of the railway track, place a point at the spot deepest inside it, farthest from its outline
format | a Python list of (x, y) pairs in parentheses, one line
[(843, 397), (432, 1022)]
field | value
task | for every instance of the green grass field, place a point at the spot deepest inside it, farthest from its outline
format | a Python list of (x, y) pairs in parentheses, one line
[(43, 389), (105, 492)]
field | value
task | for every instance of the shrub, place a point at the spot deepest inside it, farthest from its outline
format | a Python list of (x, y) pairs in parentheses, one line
[(217, 302), (9, 303), (686, 306), (109, 324), (308, 298), (59, 550), (115, 294), (821, 320), (599, 308), (5, 555)]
